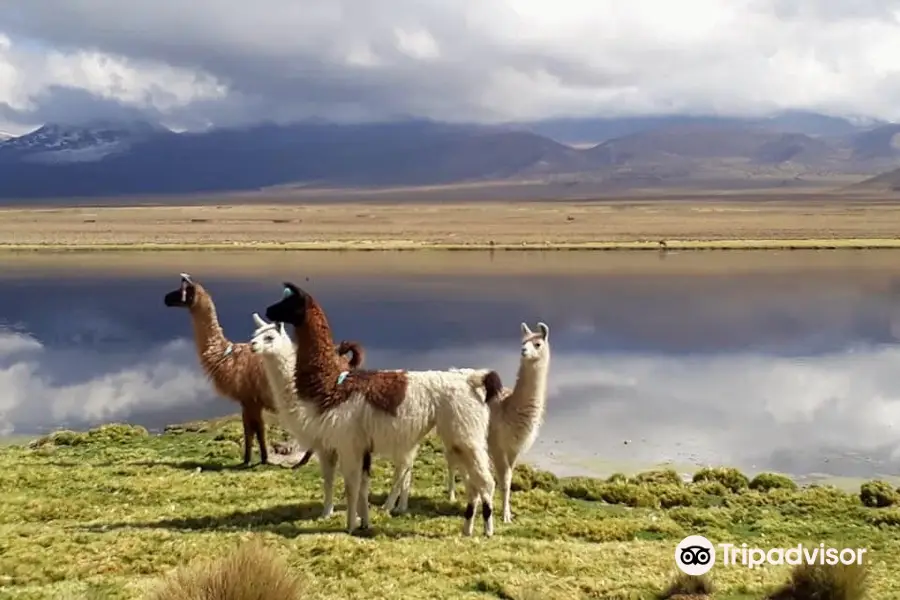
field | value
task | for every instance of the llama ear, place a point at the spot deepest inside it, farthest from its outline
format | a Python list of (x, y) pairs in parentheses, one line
[(258, 320), (292, 290), (545, 331), (282, 330), (525, 330), (186, 278)]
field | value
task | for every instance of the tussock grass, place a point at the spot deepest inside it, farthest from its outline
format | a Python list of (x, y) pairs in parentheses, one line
[(825, 582), (109, 512), (251, 572), (877, 494), (729, 477), (772, 481), (687, 587), (110, 434)]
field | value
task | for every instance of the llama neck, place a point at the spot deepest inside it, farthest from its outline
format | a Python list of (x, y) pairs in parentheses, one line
[(279, 372), (212, 345), (317, 365), (531, 383)]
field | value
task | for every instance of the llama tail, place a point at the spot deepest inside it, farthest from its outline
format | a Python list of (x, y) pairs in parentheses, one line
[(489, 380), (306, 456), (354, 348)]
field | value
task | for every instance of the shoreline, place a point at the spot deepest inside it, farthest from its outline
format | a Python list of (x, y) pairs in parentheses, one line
[(407, 246), (868, 267)]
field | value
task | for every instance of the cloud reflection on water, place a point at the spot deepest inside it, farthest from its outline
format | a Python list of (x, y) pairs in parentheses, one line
[(836, 413)]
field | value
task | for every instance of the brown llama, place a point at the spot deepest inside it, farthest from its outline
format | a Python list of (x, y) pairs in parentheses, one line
[(236, 372)]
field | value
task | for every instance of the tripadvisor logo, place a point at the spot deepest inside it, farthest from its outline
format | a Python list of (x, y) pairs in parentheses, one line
[(696, 555)]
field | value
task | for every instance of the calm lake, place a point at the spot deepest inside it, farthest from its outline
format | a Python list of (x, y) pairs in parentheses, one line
[(766, 361)]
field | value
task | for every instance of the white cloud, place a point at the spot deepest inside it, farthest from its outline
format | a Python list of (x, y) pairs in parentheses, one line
[(30, 78), (230, 61), (43, 388)]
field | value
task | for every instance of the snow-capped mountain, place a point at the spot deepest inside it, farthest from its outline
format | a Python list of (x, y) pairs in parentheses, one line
[(89, 142), (5, 136)]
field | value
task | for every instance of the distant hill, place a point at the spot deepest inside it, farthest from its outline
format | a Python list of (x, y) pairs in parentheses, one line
[(594, 131), (883, 182), (730, 155), (100, 159), (879, 144), (267, 155)]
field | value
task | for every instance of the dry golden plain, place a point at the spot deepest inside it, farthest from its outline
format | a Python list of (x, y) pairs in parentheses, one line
[(710, 223)]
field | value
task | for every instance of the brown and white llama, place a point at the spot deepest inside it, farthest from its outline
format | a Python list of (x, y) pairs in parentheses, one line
[(236, 373), (517, 418), (363, 412), (272, 342)]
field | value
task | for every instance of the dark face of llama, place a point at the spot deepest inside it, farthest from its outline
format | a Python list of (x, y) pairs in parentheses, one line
[(291, 308), (184, 296)]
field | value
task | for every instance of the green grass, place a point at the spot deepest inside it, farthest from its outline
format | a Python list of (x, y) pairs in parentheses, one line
[(107, 513)]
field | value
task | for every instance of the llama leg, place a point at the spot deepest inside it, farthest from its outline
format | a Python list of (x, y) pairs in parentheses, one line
[(467, 459), (351, 469), (471, 504), (363, 499), (260, 426), (451, 477), (247, 418), (404, 490), (407, 480), (504, 479), (482, 485), (391, 500), (328, 463)]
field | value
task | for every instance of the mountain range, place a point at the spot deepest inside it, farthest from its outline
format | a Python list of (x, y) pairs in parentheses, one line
[(115, 158)]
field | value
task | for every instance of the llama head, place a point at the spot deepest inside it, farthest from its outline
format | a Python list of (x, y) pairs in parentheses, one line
[(185, 295), (293, 306), (535, 345), (270, 338)]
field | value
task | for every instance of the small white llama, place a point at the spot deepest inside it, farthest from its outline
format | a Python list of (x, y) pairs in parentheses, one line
[(360, 413), (518, 416)]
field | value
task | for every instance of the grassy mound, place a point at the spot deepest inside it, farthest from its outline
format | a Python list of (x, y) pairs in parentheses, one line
[(108, 512), (877, 494), (731, 478), (825, 582), (687, 587), (251, 572), (772, 481), (111, 434)]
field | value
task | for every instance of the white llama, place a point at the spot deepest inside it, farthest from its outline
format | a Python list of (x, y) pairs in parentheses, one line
[(517, 417), (266, 338), (360, 413), (276, 348)]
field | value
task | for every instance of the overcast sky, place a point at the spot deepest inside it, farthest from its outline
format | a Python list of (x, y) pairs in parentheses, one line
[(204, 62)]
